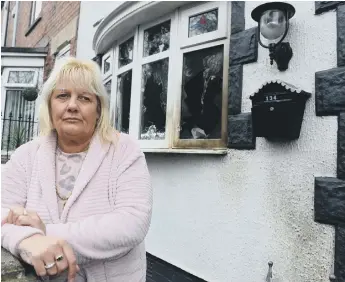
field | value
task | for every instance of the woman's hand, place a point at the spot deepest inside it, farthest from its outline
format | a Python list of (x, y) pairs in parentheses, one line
[(20, 216), (49, 255)]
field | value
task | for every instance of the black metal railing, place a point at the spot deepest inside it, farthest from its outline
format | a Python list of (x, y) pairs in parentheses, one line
[(15, 132)]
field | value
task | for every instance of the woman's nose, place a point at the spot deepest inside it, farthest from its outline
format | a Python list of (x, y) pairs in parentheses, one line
[(72, 104)]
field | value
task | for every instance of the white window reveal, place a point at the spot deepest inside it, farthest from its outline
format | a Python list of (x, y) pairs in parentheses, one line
[(64, 52), (36, 8), (170, 80)]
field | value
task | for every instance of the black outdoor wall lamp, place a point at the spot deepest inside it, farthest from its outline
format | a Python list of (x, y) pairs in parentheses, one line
[(273, 21)]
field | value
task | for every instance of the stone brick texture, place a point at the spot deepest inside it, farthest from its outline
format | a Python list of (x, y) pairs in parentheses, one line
[(240, 132), (244, 47), (329, 200), (341, 147), (55, 15), (235, 89), (324, 6), (339, 261), (341, 36), (329, 91)]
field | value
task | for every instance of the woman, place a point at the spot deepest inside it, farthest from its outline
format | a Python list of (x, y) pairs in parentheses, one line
[(79, 197)]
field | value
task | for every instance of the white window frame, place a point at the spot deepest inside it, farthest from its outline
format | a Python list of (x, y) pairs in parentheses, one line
[(19, 85), (179, 45), (65, 51), (110, 78), (136, 96), (36, 7), (118, 71), (202, 143), (220, 33)]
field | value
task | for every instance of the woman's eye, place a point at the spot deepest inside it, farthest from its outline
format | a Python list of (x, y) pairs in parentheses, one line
[(62, 96), (84, 98)]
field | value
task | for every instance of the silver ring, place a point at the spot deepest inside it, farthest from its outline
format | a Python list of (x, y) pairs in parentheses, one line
[(49, 265), (59, 258), (25, 212)]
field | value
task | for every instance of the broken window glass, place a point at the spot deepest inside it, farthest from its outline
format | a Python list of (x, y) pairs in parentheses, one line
[(123, 101), (106, 66), (126, 52), (154, 92), (201, 101), (108, 89), (21, 77), (157, 39), (203, 23)]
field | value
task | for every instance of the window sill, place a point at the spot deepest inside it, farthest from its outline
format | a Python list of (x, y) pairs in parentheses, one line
[(33, 26), (187, 151)]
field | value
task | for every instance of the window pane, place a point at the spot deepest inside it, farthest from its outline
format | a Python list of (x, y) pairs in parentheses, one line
[(123, 102), (108, 88), (38, 8), (18, 120), (21, 77), (201, 107), (154, 90), (157, 39), (126, 52), (32, 15), (63, 52), (106, 66), (203, 23)]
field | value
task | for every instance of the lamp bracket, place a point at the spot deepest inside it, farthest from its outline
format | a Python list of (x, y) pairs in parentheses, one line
[(281, 54)]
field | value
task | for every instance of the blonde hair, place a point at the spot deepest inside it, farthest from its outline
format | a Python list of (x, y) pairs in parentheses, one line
[(84, 74)]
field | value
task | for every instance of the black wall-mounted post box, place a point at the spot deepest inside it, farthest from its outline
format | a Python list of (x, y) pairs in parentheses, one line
[(277, 110)]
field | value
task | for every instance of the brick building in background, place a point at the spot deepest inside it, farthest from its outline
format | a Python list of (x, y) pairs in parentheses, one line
[(51, 25), (33, 35)]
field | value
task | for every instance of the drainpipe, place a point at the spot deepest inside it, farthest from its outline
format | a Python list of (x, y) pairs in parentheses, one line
[(5, 23), (15, 24)]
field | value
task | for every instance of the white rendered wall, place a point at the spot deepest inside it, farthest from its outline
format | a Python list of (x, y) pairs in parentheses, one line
[(90, 13), (224, 218)]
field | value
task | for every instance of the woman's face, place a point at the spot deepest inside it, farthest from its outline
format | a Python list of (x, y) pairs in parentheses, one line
[(73, 111)]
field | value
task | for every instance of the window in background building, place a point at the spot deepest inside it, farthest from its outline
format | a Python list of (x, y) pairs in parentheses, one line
[(169, 88), (18, 113), (36, 8), (64, 52)]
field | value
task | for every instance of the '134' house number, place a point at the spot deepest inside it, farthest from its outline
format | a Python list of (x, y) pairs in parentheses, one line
[(271, 97)]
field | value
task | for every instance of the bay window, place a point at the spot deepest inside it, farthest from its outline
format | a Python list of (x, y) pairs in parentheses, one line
[(167, 80)]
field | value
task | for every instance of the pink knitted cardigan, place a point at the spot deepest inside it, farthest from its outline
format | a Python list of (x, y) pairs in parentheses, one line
[(107, 216)]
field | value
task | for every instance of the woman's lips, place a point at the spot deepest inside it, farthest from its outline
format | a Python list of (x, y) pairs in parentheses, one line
[(72, 119)]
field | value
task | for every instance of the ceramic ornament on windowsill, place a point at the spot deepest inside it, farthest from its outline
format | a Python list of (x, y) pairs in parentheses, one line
[(30, 94)]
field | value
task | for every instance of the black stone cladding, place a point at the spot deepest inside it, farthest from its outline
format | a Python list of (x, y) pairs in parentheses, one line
[(243, 50), (329, 200)]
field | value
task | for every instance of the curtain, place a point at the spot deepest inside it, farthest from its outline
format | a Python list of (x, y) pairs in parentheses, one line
[(17, 120)]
